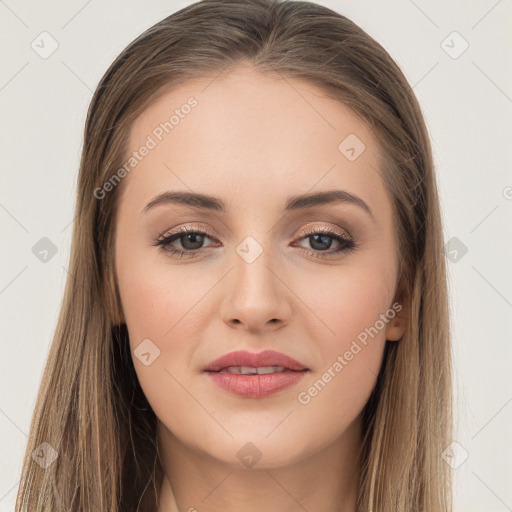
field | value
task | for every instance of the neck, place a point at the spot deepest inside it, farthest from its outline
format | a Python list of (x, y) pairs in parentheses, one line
[(324, 482)]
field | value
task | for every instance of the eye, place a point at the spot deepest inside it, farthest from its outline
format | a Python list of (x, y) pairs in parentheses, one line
[(190, 238), (319, 239)]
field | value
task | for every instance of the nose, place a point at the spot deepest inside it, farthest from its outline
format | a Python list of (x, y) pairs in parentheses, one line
[(256, 297)]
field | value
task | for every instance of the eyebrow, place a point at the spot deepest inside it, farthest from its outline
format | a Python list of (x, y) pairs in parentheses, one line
[(293, 203)]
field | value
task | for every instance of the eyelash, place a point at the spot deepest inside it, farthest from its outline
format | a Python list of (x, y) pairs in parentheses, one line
[(346, 244)]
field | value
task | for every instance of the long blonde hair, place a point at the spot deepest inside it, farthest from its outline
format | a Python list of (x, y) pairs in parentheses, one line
[(90, 407)]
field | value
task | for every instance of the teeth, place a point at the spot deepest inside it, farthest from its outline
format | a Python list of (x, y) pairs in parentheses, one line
[(249, 370)]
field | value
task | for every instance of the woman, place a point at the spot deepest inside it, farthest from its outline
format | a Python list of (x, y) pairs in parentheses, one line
[(256, 316)]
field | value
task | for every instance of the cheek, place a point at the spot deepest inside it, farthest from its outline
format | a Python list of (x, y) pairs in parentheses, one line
[(154, 295), (351, 310), (162, 307), (346, 302), (166, 305), (335, 394)]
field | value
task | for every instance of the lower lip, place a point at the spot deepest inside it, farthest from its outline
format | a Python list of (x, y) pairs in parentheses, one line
[(256, 386)]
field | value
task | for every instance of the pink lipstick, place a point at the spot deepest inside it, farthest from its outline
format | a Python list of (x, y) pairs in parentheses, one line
[(255, 375)]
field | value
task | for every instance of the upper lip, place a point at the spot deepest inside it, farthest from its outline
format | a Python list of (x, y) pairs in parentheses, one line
[(254, 360)]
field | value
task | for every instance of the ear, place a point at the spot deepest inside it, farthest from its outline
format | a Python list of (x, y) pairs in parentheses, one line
[(397, 326)]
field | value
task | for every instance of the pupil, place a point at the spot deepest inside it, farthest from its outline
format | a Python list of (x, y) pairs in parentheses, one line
[(195, 239), (325, 239)]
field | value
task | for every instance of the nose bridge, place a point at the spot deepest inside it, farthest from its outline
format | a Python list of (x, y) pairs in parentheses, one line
[(253, 263), (256, 295)]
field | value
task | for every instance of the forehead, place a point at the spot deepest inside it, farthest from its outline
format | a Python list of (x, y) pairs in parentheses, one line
[(242, 133)]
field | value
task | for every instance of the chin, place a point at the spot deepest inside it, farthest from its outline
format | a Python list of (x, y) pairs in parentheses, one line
[(247, 451)]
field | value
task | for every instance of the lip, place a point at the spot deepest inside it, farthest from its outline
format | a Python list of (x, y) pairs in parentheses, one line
[(265, 358), (259, 385)]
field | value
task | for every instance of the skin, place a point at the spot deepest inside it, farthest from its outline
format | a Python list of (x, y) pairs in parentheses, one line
[(252, 141)]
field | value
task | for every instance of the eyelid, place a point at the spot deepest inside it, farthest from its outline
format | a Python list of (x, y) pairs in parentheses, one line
[(326, 229), (304, 233), (190, 229), (347, 243)]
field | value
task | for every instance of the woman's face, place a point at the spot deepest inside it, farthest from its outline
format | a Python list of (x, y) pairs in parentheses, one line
[(311, 279)]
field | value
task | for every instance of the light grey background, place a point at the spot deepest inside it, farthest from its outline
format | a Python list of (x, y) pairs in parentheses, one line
[(467, 102)]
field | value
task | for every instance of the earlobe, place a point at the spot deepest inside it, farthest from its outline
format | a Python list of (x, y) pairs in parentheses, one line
[(398, 324), (396, 328)]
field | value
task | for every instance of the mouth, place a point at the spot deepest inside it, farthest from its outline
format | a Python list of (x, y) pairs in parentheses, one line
[(255, 375), (244, 362), (260, 370)]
